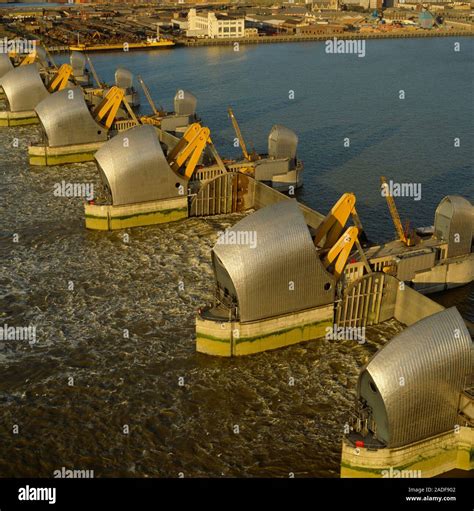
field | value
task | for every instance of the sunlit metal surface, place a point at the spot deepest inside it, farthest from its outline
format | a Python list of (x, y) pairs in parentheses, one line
[(282, 273), (282, 142), (412, 384), (123, 78), (454, 223), (185, 103), (23, 88), (78, 63), (42, 56), (5, 64), (134, 168), (66, 119)]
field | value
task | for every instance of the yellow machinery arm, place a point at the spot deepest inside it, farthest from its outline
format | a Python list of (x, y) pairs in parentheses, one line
[(148, 97), (235, 124), (29, 59), (107, 109), (61, 78), (335, 220), (393, 211), (341, 250), (190, 149)]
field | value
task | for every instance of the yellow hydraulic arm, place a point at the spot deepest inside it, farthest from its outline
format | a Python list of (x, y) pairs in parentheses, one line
[(341, 250), (190, 149), (336, 219), (61, 78), (108, 107), (393, 211), (29, 59)]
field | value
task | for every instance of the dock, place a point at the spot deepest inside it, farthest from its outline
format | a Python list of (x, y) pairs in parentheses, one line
[(322, 37)]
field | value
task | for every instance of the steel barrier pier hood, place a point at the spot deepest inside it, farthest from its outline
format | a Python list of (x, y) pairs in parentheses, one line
[(134, 168), (268, 266), (78, 63), (411, 387), (124, 79), (282, 143), (24, 88), (185, 103), (454, 223), (66, 119), (5, 64)]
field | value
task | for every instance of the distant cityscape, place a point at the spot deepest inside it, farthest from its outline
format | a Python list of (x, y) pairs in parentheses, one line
[(191, 23)]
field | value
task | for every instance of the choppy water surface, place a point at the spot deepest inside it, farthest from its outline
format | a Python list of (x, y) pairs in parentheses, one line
[(136, 286)]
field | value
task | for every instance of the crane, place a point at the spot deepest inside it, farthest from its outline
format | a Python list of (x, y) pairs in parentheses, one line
[(156, 112), (402, 235), (248, 156), (94, 74)]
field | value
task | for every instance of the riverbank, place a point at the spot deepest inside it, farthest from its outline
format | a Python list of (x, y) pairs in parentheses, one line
[(402, 34), (394, 34)]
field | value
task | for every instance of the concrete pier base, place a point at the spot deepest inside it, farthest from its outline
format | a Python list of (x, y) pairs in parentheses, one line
[(428, 458), (108, 217), (18, 118), (232, 338), (41, 155)]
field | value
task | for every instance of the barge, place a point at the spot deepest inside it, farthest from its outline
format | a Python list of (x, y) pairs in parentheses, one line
[(149, 44)]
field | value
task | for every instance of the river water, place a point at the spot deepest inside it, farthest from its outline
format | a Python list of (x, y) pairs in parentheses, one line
[(85, 396)]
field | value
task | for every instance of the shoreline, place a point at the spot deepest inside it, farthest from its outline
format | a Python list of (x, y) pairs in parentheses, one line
[(322, 37), (288, 39)]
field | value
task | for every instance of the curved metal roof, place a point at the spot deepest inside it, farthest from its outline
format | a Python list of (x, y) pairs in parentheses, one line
[(5, 64), (41, 56), (135, 169), (78, 63), (123, 78), (282, 273), (66, 119), (282, 142), (23, 87), (454, 223), (413, 383), (185, 103)]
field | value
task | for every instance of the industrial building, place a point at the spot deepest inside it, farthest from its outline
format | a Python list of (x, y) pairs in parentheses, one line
[(212, 25)]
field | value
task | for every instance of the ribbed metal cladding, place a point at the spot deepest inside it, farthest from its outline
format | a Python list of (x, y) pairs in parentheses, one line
[(454, 222), (42, 57), (434, 357), (282, 142), (408, 266), (135, 168), (123, 78), (185, 103), (24, 88), (78, 63), (283, 273), (5, 64), (66, 119)]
